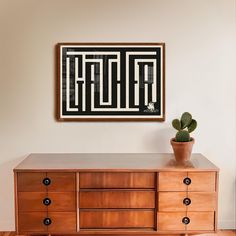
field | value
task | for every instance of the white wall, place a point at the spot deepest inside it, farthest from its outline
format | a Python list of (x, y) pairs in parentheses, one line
[(200, 78)]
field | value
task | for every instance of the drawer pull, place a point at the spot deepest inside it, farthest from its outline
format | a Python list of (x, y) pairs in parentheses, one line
[(187, 181), (46, 181), (47, 201), (187, 201), (186, 220), (47, 221)]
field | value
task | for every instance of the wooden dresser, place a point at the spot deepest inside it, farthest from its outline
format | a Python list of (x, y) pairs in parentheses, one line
[(115, 194)]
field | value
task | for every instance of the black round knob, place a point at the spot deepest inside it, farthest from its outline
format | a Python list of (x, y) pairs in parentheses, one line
[(46, 181), (46, 201), (187, 201), (187, 181), (47, 221), (186, 220)]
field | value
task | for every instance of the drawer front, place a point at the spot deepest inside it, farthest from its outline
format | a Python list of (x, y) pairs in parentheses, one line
[(34, 182), (63, 201), (116, 219), (182, 201), (31, 201), (41, 201), (197, 181), (202, 201), (172, 181), (202, 181), (195, 221), (62, 222), (201, 220), (117, 199), (62, 182), (117, 180), (31, 182), (32, 222), (171, 201), (170, 221)]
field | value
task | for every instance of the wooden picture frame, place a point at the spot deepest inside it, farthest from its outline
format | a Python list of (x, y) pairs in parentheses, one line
[(110, 82)]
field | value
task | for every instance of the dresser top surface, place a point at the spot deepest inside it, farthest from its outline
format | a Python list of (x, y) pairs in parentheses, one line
[(112, 162)]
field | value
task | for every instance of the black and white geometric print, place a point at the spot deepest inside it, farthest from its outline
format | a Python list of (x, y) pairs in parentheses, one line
[(111, 81)]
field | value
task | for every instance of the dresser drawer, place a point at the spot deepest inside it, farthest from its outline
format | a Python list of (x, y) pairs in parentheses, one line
[(116, 199), (117, 180), (170, 221), (59, 222), (42, 182), (31, 182), (201, 220), (63, 201), (32, 221), (183, 181), (31, 201), (62, 222), (182, 201), (62, 182), (105, 219), (193, 221), (41, 201), (202, 181)]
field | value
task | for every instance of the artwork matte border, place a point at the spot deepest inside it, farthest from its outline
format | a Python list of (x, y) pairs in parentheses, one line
[(144, 116)]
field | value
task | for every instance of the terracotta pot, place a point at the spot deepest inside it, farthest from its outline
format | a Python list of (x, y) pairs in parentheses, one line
[(182, 150)]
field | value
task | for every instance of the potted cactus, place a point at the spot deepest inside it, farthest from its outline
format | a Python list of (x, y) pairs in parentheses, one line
[(182, 143)]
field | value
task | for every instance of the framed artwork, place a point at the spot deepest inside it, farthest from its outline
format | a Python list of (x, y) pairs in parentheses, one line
[(110, 81)]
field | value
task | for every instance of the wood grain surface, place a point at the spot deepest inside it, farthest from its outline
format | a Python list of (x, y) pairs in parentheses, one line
[(115, 193), (117, 180), (174, 181), (202, 181), (112, 162), (173, 201), (95, 219), (173, 221), (31, 182), (32, 221), (62, 222), (117, 199), (61, 182)]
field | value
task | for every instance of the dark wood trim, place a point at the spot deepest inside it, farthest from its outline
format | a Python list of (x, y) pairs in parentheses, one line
[(57, 80), (111, 43), (58, 90), (77, 201), (164, 81), (16, 203), (217, 197)]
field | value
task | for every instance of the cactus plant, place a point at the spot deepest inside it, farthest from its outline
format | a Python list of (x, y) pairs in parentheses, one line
[(185, 126)]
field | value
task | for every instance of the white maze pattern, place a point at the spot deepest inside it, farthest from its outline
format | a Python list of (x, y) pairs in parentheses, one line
[(110, 81)]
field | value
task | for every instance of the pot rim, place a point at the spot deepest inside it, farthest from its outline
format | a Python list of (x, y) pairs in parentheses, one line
[(182, 143)]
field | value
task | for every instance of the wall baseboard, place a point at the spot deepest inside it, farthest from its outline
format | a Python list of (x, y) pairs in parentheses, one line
[(227, 224)]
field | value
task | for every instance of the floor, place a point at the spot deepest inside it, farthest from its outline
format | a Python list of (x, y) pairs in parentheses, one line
[(220, 233)]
